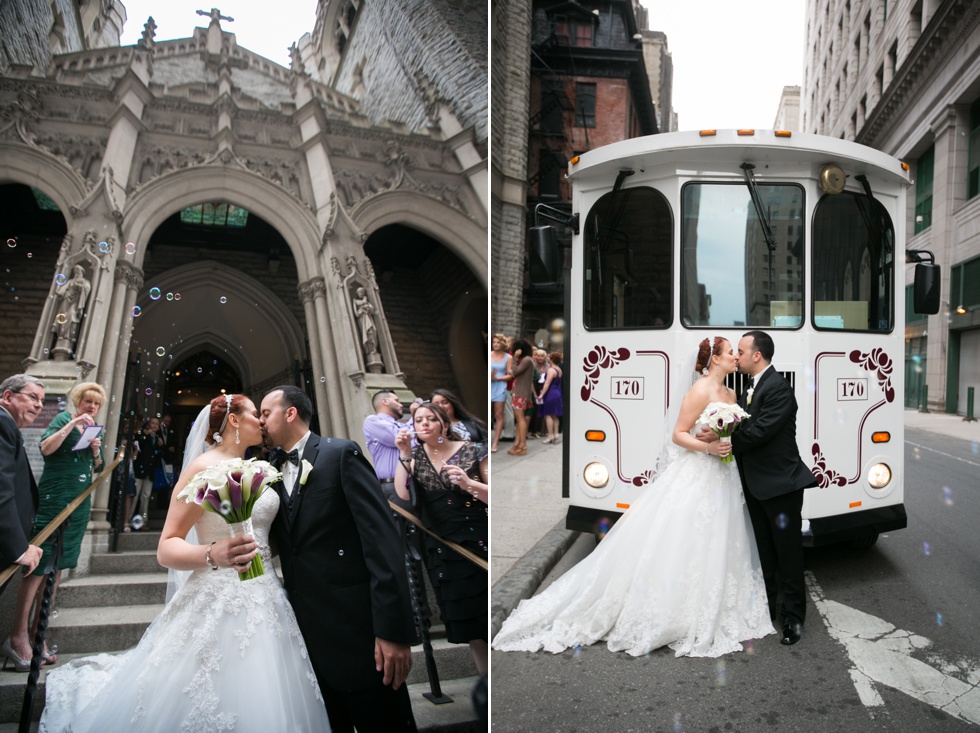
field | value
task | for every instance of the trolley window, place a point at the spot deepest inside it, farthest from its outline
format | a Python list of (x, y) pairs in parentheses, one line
[(628, 261), (730, 275), (853, 264)]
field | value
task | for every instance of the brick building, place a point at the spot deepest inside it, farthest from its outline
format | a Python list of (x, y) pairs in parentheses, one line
[(904, 77), (238, 224), (588, 87)]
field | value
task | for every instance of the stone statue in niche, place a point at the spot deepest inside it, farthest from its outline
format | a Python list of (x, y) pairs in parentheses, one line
[(364, 314), (71, 299)]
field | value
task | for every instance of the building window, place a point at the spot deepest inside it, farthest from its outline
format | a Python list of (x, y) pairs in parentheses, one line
[(217, 215), (974, 154), (964, 285), (550, 166), (584, 105), (552, 96), (923, 190)]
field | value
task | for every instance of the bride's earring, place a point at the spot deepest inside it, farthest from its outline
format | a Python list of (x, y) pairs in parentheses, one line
[(237, 439)]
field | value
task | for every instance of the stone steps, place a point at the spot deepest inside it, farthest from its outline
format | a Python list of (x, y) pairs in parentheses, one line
[(454, 663), (123, 589)]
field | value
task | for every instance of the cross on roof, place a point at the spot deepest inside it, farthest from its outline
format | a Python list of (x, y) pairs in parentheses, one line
[(216, 16)]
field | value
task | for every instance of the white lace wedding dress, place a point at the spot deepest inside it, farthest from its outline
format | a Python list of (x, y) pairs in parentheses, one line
[(224, 655), (680, 569)]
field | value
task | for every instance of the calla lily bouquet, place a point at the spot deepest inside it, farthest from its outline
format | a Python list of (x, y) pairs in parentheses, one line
[(723, 419), (231, 488)]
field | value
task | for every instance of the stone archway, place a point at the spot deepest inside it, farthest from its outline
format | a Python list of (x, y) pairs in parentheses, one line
[(463, 236), (224, 309), (171, 192)]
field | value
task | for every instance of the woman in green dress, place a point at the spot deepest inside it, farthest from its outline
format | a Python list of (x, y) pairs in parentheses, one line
[(67, 473)]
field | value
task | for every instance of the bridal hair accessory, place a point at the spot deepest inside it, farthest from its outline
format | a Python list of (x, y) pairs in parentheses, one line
[(723, 419), (230, 489), (224, 421), (711, 351)]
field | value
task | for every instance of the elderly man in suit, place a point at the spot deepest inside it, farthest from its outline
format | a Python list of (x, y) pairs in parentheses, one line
[(21, 400), (773, 479), (343, 570)]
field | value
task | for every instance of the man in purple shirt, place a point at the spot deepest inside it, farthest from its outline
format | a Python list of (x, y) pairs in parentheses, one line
[(380, 430)]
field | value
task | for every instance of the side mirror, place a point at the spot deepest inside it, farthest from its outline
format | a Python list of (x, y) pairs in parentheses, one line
[(544, 255), (928, 277)]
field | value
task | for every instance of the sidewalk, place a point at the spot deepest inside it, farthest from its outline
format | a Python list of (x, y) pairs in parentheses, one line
[(528, 535)]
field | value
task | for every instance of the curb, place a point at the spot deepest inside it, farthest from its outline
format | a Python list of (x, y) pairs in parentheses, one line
[(526, 575)]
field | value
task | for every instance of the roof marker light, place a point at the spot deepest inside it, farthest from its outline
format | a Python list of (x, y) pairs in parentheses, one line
[(743, 133), (784, 133), (574, 161), (708, 133)]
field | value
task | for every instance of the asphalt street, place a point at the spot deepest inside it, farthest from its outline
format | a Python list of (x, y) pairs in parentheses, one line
[(890, 643)]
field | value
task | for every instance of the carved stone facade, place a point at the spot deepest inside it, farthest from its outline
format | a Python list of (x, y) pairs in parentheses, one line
[(122, 139)]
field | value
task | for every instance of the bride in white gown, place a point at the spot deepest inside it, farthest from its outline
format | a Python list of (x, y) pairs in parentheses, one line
[(679, 569), (224, 654)]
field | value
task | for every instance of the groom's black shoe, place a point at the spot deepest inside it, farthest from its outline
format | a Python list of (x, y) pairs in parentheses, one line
[(792, 632)]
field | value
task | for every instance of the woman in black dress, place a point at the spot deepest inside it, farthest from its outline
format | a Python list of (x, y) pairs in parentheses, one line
[(450, 477)]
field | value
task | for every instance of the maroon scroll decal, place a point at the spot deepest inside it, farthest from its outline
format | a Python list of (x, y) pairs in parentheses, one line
[(595, 361), (877, 361), (825, 476)]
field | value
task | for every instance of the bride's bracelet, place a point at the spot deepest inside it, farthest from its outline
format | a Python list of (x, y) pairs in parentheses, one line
[(207, 556)]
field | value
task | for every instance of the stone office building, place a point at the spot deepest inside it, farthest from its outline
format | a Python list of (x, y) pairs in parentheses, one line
[(904, 77), (184, 216)]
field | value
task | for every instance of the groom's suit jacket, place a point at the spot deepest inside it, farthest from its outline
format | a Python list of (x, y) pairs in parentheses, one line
[(764, 446), (18, 492), (343, 565)]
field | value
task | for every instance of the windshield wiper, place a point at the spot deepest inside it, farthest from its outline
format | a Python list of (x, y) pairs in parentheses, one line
[(747, 168)]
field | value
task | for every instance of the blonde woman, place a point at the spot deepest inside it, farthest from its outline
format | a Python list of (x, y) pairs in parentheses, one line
[(499, 361)]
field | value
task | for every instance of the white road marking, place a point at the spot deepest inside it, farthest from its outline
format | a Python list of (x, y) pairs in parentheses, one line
[(945, 455), (882, 654)]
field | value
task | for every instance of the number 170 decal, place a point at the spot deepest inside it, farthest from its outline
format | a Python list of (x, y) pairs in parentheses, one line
[(852, 389)]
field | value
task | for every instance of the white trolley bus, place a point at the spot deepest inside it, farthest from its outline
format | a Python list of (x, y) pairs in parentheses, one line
[(685, 235)]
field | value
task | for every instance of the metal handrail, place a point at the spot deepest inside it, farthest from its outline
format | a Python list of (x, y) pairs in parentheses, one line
[(473, 558), (53, 525)]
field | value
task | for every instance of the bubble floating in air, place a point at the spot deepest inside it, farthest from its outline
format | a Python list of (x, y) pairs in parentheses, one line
[(176, 296), (222, 300), (136, 311), (161, 351), (61, 319), (149, 390), (104, 247), (130, 248), (11, 242), (154, 293), (60, 279), (170, 296)]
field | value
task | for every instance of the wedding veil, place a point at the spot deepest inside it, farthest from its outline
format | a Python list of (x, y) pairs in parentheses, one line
[(193, 447), (680, 382)]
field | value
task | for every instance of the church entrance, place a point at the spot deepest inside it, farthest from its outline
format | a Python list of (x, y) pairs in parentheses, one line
[(218, 312)]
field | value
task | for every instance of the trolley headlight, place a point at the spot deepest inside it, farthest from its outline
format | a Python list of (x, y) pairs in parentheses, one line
[(879, 476), (596, 475)]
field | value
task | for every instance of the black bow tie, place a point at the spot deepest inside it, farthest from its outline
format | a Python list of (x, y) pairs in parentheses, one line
[(282, 456)]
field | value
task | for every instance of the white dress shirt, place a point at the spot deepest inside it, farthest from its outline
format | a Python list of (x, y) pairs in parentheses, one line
[(290, 472)]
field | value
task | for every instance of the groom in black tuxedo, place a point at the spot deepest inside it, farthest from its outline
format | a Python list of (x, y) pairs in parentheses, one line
[(344, 570), (773, 478)]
